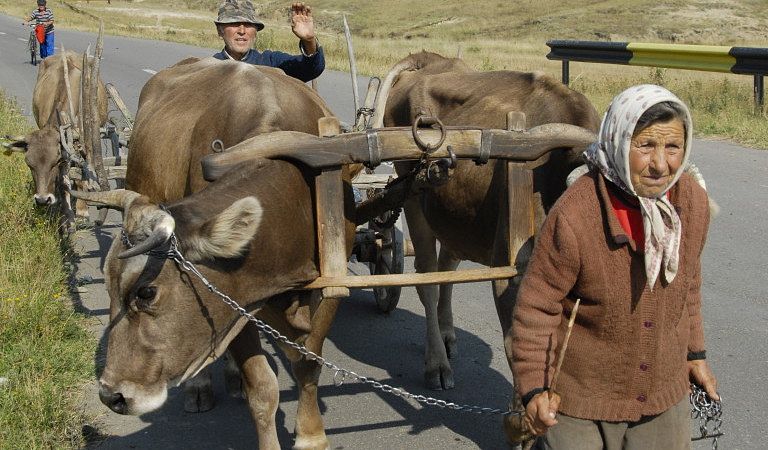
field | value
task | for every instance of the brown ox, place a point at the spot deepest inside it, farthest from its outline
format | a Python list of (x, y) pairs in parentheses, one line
[(175, 127), (463, 214), (252, 235), (42, 147), (178, 122)]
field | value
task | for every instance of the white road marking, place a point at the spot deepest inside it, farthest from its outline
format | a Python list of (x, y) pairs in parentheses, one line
[(22, 39), (2, 33), (150, 71)]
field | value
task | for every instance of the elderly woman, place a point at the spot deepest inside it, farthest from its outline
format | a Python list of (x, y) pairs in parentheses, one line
[(627, 240)]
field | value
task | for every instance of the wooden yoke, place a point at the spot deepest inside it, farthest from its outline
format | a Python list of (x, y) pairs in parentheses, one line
[(329, 195)]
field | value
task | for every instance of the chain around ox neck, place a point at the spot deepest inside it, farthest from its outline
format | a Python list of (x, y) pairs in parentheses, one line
[(341, 375)]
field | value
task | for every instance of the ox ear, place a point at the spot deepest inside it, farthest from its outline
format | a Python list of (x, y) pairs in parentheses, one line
[(17, 144), (228, 234)]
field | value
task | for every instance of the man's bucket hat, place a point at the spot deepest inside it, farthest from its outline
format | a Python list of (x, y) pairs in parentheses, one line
[(237, 11)]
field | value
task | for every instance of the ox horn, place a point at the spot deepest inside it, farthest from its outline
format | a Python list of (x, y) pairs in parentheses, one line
[(119, 199), (162, 229), (386, 86)]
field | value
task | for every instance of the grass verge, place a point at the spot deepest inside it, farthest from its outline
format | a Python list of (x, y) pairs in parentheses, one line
[(46, 353)]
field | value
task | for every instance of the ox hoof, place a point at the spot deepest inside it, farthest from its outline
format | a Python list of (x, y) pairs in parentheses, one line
[(439, 380), (198, 399)]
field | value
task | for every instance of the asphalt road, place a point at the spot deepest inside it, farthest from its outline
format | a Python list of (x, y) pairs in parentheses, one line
[(389, 347)]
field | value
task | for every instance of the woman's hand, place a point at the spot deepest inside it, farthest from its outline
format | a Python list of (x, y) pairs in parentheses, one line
[(540, 412), (700, 373)]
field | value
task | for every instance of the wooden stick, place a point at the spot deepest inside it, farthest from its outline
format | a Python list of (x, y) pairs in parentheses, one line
[(67, 84), (352, 63), (112, 91), (93, 108), (81, 107), (563, 347)]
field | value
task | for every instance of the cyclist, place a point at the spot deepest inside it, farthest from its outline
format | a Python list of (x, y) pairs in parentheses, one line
[(44, 16)]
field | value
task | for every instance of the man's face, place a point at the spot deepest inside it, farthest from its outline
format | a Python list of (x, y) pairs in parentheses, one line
[(238, 37), (41, 8)]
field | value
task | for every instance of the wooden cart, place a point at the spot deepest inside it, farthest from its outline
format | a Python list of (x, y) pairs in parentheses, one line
[(81, 134)]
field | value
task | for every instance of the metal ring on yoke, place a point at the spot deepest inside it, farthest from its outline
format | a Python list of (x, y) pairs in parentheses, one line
[(428, 120)]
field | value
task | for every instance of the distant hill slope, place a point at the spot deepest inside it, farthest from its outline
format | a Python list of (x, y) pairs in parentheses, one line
[(722, 22)]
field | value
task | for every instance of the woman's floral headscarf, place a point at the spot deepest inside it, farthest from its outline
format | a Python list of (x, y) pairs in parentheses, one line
[(610, 154)]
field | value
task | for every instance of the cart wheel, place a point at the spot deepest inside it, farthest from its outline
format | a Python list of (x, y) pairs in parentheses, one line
[(390, 259)]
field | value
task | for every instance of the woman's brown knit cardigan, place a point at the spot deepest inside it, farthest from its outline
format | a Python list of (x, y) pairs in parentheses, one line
[(627, 354)]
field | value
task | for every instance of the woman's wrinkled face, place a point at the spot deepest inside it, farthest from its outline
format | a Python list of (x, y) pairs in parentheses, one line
[(655, 156), (238, 37)]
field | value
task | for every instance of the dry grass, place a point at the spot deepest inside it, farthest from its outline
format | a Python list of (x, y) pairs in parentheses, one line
[(492, 35)]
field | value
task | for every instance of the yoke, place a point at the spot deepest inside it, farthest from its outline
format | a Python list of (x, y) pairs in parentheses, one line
[(374, 146), (523, 150)]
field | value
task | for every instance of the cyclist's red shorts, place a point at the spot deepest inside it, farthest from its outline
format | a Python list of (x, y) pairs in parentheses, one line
[(40, 33)]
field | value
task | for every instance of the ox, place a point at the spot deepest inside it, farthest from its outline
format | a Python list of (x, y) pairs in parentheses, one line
[(42, 147), (165, 324), (175, 127), (463, 214), (177, 124)]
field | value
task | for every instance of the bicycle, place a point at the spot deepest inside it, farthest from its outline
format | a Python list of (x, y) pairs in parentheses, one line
[(33, 44)]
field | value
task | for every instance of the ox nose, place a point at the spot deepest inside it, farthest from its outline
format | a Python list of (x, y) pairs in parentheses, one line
[(114, 400), (44, 200)]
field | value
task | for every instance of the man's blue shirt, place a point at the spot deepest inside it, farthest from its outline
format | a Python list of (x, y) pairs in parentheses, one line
[(305, 68)]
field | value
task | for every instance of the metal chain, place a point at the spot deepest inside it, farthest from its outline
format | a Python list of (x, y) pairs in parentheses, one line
[(366, 114), (709, 414), (340, 375), (389, 222)]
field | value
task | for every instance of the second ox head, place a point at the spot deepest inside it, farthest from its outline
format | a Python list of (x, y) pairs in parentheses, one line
[(43, 157)]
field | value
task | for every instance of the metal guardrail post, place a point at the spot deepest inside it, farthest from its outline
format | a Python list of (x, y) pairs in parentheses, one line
[(566, 72)]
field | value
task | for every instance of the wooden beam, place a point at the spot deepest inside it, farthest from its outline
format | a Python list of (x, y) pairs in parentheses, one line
[(415, 279), (329, 196)]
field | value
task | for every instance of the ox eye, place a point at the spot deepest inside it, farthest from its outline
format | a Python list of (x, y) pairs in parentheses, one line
[(146, 293), (144, 297)]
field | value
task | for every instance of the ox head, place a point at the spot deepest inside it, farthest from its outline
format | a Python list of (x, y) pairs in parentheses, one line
[(165, 325), (42, 155)]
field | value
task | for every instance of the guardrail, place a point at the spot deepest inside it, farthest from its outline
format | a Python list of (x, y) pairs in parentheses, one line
[(738, 60)]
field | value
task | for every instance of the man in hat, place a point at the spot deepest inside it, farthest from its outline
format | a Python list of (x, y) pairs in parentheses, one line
[(44, 16), (237, 25)]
